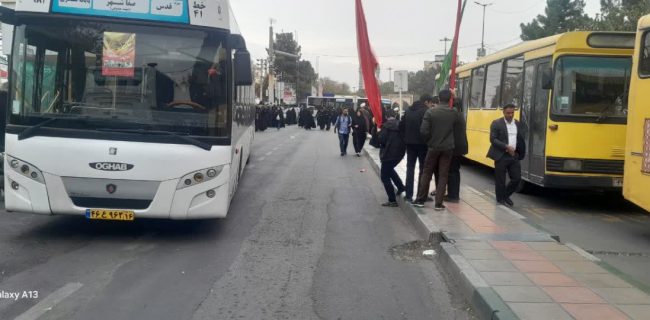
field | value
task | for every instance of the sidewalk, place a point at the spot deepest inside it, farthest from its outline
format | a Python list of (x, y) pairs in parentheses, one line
[(508, 269)]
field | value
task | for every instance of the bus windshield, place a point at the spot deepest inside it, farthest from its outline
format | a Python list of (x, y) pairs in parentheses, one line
[(592, 86), (116, 76)]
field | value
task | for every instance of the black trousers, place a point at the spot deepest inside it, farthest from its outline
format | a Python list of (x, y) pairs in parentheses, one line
[(389, 177), (510, 166), (414, 153), (453, 186)]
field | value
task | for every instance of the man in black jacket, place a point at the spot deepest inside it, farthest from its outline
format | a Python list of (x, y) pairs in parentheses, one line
[(391, 153), (461, 147), (416, 147), (507, 148)]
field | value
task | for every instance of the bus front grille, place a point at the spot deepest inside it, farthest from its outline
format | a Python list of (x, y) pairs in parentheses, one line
[(586, 165), (110, 203)]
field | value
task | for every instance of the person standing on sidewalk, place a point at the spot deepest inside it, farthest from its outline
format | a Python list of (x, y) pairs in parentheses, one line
[(391, 153), (359, 131), (342, 126), (461, 147), (416, 146), (438, 130), (507, 148)]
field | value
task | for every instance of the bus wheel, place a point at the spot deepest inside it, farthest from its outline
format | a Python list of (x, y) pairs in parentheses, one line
[(525, 187)]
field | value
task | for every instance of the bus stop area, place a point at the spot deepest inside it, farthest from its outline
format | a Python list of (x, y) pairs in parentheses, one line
[(510, 268)]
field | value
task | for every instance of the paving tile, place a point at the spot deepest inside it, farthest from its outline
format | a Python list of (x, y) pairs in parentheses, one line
[(579, 267), (510, 245), (548, 246), (492, 265), (623, 295), (562, 256), (522, 256), (596, 280), (552, 280), (594, 312), (573, 295), (637, 312), (522, 294), (536, 266), (481, 254), (490, 230), (539, 311), (506, 279)]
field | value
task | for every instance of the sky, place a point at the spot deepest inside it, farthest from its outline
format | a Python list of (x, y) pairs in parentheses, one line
[(403, 33)]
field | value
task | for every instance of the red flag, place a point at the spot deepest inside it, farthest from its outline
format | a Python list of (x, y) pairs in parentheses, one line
[(454, 56), (368, 64)]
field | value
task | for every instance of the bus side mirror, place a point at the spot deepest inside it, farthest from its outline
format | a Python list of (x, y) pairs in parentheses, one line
[(243, 70), (547, 79)]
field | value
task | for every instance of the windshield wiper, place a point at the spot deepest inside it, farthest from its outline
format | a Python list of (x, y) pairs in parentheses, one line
[(29, 132), (190, 140)]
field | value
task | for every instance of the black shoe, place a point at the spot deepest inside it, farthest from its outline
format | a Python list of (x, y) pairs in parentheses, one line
[(503, 203), (358, 154), (408, 200), (399, 192), (390, 204), (429, 199), (418, 204), (509, 202), (433, 193), (439, 207), (342, 154)]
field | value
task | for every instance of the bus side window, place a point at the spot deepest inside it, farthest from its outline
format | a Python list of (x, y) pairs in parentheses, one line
[(493, 86), (513, 81), (644, 59), (478, 81)]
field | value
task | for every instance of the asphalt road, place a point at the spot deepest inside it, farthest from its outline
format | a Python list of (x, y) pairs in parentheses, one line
[(305, 239), (603, 224)]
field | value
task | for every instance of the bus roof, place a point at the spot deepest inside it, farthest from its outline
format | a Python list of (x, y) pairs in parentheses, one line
[(644, 22), (206, 13), (569, 41)]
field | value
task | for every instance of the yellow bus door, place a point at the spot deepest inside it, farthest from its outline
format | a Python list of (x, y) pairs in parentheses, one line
[(534, 113)]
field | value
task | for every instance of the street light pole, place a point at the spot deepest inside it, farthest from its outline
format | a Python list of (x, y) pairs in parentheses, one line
[(481, 52), (445, 40)]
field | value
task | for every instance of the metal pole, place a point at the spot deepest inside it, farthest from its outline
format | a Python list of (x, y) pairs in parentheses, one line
[(484, 5)]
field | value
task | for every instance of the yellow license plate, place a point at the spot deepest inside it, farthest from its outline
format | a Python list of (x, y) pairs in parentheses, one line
[(108, 214)]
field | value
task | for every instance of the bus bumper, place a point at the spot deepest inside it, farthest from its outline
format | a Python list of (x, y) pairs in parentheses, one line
[(583, 182), (25, 195)]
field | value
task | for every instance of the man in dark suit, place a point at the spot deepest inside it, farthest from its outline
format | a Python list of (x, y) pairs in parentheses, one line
[(507, 149)]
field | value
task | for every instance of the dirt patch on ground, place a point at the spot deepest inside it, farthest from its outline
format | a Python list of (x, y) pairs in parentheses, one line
[(412, 251)]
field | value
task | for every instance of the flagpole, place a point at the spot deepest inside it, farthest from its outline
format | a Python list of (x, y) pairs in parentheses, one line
[(454, 57)]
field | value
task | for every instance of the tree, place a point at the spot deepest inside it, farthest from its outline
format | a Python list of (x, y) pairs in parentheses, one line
[(422, 82), (334, 87), (285, 67), (620, 15), (387, 87), (560, 16)]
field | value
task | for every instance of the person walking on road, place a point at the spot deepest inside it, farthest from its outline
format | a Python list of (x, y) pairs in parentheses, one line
[(507, 148), (359, 132), (461, 147), (342, 127), (438, 130), (416, 146), (391, 152)]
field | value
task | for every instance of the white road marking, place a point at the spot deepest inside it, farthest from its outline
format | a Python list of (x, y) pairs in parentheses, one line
[(475, 191), (582, 252), (50, 301)]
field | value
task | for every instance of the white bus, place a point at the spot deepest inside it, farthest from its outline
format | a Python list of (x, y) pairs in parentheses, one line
[(338, 102), (120, 110)]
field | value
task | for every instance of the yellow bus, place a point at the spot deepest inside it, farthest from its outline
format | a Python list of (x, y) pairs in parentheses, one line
[(637, 151), (571, 90)]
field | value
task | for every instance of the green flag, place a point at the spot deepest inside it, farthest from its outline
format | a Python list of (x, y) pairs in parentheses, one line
[(446, 65)]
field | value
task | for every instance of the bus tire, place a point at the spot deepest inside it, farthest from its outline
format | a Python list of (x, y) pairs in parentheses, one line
[(525, 187)]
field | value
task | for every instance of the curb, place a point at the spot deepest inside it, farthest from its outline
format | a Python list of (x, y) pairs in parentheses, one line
[(484, 300)]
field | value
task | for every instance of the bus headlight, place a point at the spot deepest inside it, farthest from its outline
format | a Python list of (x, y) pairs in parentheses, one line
[(25, 169), (199, 176), (572, 165)]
